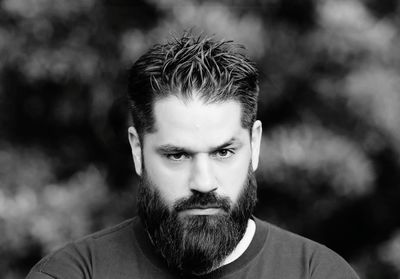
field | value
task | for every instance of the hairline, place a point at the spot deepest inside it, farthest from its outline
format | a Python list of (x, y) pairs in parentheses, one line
[(188, 98)]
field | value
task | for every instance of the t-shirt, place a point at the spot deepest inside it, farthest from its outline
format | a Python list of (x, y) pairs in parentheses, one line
[(124, 251)]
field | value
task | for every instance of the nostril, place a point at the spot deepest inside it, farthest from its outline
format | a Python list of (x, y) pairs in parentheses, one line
[(210, 190)]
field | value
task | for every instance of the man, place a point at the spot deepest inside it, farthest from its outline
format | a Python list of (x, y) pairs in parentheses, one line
[(195, 145)]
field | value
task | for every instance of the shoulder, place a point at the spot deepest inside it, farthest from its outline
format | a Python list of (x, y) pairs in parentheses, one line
[(115, 234), (289, 241), (77, 259), (317, 260)]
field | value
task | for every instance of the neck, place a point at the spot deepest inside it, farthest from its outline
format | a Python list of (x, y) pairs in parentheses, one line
[(243, 243)]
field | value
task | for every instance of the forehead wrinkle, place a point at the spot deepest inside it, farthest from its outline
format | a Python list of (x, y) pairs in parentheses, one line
[(172, 147), (194, 124)]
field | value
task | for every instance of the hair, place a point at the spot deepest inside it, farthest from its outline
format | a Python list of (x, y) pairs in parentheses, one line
[(214, 71)]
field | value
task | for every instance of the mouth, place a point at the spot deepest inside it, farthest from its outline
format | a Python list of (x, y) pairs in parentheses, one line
[(202, 211)]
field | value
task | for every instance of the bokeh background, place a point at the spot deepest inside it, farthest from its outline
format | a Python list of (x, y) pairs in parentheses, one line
[(330, 105)]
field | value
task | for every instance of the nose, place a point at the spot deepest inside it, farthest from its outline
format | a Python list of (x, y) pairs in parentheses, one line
[(202, 178)]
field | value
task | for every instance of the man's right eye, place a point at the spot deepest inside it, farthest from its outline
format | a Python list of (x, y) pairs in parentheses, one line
[(177, 156)]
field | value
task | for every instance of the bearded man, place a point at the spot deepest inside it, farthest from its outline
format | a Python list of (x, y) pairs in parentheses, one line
[(195, 143)]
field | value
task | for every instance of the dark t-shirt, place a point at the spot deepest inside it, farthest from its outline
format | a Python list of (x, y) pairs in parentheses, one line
[(124, 251)]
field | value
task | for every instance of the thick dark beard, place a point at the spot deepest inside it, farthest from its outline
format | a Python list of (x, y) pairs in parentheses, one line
[(195, 244)]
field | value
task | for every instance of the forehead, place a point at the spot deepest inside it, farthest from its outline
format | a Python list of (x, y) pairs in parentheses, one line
[(191, 122)]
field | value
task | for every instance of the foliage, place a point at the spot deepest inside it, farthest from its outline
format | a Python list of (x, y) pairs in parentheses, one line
[(330, 106)]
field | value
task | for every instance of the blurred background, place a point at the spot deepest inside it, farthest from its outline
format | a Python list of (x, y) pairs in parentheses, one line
[(330, 106)]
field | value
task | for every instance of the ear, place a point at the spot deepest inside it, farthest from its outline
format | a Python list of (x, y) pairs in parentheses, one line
[(255, 143), (136, 148)]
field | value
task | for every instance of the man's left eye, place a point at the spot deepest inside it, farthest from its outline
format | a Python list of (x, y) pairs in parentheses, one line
[(223, 153)]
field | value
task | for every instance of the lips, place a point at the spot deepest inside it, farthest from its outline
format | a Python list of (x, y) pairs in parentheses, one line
[(205, 211), (200, 206)]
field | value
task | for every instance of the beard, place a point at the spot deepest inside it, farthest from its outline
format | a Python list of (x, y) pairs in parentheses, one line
[(195, 244)]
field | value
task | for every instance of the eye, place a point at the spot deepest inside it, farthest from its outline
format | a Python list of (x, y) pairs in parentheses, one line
[(177, 156), (223, 153)]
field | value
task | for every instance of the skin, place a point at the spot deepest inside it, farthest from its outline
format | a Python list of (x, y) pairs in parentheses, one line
[(196, 147)]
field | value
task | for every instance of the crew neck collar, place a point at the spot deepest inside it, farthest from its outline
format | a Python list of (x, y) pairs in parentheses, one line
[(252, 250)]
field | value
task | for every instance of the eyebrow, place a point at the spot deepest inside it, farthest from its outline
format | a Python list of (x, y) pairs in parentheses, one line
[(170, 148)]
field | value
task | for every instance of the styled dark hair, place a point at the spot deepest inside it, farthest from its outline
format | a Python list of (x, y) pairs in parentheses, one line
[(214, 71)]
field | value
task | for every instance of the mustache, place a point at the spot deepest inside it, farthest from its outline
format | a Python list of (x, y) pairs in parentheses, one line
[(203, 200)]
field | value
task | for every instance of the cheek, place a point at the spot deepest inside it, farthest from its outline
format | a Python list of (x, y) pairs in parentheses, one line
[(233, 178), (170, 183)]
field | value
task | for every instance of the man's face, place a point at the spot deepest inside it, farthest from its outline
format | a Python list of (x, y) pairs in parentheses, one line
[(195, 167), (197, 147)]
